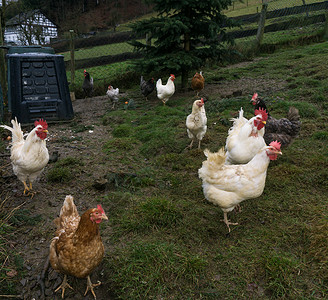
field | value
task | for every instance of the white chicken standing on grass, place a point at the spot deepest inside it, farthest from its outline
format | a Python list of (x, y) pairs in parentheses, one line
[(228, 185), (28, 156), (197, 122), (165, 92), (245, 137), (113, 95)]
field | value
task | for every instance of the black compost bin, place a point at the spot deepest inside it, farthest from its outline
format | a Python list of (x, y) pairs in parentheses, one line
[(38, 87)]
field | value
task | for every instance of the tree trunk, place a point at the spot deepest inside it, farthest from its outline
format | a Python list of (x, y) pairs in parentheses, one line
[(184, 75)]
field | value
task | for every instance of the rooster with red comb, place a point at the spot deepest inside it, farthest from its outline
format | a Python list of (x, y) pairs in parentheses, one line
[(29, 156), (245, 137)]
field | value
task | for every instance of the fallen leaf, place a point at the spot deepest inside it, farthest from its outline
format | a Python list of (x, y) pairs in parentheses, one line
[(12, 273)]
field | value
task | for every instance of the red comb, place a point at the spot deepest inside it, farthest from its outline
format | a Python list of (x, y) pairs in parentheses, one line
[(99, 207), (262, 112), (41, 122), (276, 145), (172, 75), (255, 96)]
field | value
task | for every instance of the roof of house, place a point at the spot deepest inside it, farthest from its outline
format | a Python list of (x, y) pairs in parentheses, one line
[(25, 15)]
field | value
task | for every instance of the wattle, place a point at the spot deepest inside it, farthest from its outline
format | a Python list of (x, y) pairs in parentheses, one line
[(42, 135), (273, 156)]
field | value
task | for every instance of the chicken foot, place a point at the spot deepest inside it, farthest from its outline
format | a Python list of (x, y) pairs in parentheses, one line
[(28, 190), (90, 287), (238, 208), (227, 222), (63, 286)]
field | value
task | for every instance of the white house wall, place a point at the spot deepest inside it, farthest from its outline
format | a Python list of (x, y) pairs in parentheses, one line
[(49, 30)]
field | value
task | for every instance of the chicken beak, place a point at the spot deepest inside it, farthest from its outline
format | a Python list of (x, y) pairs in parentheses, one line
[(264, 122), (104, 217), (46, 131)]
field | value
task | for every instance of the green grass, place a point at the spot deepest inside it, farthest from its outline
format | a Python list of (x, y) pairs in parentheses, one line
[(64, 170), (254, 6), (167, 237), (165, 241)]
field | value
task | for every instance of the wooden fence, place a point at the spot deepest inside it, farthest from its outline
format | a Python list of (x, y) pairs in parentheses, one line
[(79, 43)]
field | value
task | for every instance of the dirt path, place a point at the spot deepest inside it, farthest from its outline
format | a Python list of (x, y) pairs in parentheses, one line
[(32, 241)]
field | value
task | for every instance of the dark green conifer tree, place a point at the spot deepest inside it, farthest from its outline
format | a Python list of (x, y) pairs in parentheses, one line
[(184, 35)]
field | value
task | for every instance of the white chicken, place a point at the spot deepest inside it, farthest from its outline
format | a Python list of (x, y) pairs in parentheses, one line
[(113, 95), (197, 122), (165, 92), (28, 156), (245, 137), (228, 185)]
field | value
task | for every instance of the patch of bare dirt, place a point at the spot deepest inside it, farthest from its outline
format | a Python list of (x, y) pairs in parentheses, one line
[(32, 241)]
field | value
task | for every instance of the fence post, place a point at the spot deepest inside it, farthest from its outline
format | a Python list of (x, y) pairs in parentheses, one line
[(72, 64), (325, 35), (307, 12), (3, 67), (260, 30)]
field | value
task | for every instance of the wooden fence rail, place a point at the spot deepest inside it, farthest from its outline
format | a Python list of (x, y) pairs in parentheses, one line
[(63, 46)]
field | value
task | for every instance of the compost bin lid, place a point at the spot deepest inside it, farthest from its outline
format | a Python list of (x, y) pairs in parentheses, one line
[(29, 49)]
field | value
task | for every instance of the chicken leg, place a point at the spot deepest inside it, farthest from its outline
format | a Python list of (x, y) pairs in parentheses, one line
[(190, 146), (63, 286), (90, 287), (226, 221), (28, 190), (199, 144)]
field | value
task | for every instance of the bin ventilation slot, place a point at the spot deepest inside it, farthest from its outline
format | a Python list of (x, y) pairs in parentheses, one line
[(49, 109)]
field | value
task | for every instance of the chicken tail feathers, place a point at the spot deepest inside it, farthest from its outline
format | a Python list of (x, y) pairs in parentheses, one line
[(16, 131), (68, 207), (293, 114), (67, 213), (217, 158), (158, 83), (237, 122), (214, 162)]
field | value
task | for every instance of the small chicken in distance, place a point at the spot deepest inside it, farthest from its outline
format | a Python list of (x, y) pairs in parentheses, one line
[(228, 185), (284, 130), (77, 248), (146, 87), (197, 122), (28, 156), (165, 92), (113, 95), (87, 85), (198, 82)]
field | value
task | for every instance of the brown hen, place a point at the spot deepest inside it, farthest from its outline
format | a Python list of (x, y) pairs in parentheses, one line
[(77, 248), (198, 82)]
